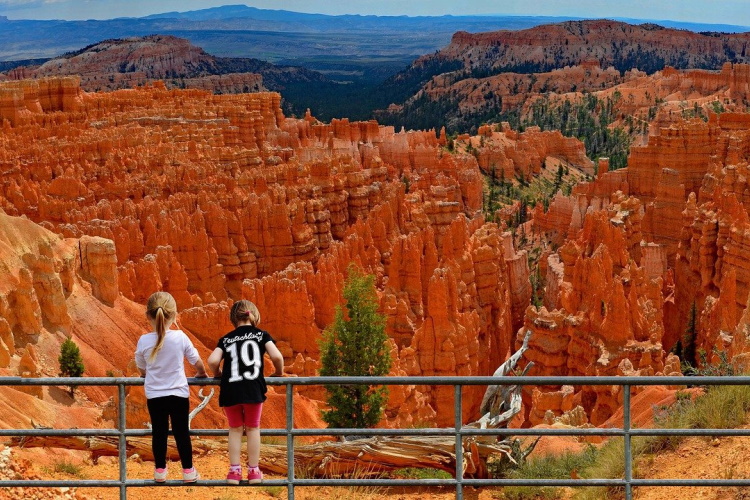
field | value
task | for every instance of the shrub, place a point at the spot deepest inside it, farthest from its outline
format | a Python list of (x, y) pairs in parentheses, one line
[(548, 467), (71, 363), (356, 344)]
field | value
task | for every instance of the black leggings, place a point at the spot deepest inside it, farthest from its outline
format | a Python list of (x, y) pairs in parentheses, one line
[(162, 410)]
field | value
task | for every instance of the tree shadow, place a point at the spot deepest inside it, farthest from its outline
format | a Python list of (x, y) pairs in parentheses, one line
[(61, 395)]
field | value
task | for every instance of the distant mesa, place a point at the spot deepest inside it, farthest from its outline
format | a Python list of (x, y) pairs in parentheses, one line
[(128, 62), (647, 47)]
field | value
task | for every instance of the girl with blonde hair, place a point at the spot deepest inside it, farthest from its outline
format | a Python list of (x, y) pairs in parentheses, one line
[(243, 386), (160, 358)]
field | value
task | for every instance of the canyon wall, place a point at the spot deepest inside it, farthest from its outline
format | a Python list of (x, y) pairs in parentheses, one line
[(653, 258), (219, 197), (216, 197)]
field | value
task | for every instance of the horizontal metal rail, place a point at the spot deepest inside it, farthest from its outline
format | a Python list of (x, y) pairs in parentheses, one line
[(459, 431), (386, 483), (421, 380)]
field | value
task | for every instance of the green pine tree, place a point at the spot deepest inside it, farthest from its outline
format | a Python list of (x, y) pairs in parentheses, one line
[(355, 344), (71, 363), (687, 353)]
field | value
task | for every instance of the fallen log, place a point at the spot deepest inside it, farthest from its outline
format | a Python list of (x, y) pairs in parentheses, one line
[(108, 446), (378, 455), (363, 457)]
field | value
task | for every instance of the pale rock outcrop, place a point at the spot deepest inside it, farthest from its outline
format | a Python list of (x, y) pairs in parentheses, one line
[(28, 367), (99, 267)]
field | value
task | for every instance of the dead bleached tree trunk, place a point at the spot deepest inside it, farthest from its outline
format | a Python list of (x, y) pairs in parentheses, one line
[(107, 446), (361, 457)]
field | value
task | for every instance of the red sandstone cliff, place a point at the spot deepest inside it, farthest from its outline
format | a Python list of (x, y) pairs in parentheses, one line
[(508, 72)]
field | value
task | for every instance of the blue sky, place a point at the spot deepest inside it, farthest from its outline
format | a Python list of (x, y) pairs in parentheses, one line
[(735, 12)]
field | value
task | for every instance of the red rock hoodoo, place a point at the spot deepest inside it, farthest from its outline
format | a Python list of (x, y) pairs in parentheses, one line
[(214, 198), (108, 197)]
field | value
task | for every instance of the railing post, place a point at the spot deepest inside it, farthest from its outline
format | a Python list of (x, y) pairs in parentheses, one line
[(122, 453), (289, 441), (458, 423), (626, 429)]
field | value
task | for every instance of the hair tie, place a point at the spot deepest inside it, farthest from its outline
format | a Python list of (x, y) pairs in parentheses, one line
[(246, 313)]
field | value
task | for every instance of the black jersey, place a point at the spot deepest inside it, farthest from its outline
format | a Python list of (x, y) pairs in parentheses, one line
[(242, 379)]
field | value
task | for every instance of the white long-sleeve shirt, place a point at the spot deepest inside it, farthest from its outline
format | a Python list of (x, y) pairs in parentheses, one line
[(165, 376)]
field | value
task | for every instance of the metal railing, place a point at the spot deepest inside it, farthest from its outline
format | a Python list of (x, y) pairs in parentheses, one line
[(459, 431)]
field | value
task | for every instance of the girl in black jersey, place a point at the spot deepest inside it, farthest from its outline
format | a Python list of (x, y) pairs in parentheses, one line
[(238, 360)]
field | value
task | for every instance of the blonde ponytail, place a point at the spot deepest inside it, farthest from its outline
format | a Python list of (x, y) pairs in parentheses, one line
[(161, 310), (244, 311)]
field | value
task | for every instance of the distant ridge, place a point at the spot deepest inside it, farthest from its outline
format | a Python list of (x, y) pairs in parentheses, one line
[(122, 63), (238, 11), (648, 47), (241, 11), (683, 25), (442, 80), (278, 35)]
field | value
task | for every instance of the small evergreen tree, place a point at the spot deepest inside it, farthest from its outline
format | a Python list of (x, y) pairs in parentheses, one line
[(491, 199), (559, 177), (407, 183), (71, 363), (355, 344), (688, 339)]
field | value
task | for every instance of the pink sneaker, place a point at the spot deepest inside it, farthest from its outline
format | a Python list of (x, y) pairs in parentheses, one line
[(190, 475), (235, 474), (160, 475), (254, 475)]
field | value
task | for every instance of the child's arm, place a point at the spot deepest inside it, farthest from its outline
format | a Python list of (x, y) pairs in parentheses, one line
[(214, 360), (200, 369), (191, 353), (140, 360), (276, 358)]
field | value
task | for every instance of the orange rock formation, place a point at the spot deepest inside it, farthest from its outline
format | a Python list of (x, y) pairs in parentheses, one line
[(660, 249), (213, 198), (509, 154), (108, 197), (588, 42)]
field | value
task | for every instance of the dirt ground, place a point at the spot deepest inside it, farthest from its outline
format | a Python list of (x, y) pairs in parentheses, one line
[(43, 464), (697, 457)]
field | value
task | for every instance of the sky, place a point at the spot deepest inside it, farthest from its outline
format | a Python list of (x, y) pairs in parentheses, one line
[(736, 12)]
